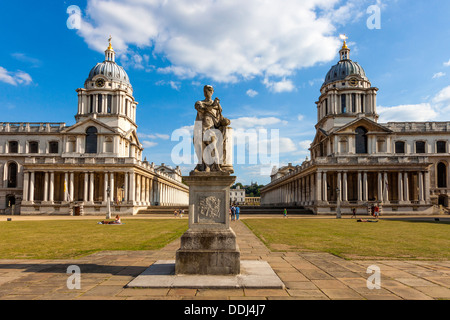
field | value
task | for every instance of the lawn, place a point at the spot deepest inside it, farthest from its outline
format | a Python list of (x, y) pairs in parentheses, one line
[(349, 239), (75, 239)]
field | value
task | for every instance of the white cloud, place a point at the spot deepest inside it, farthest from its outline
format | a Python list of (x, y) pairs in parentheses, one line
[(254, 122), (224, 40), (284, 85), (300, 117), (173, 84), (415, 112), (149, 144), (439, 75), (252, 93), (15, 78), (447, 64)]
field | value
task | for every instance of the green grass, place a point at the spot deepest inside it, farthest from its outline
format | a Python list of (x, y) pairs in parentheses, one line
[(352, 240), (75, 239)]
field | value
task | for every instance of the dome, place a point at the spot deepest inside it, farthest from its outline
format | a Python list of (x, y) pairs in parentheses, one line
[(342, 70), (110, 70)]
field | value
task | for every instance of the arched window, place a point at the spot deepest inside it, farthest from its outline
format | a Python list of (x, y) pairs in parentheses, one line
[(91, 140), (12, 175), (361, 140), (442, 175)]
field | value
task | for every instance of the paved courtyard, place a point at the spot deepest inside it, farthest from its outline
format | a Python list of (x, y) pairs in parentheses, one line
[(317, 276)]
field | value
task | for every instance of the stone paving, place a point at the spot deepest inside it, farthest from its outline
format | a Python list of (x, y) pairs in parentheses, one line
[(307, 276)]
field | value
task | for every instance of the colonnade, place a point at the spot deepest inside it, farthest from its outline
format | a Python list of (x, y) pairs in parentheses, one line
[(327, 187), (92, 187)]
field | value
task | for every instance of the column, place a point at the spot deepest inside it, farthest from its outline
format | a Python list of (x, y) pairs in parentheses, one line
[(365, 188), (339, 186), (66, 187), (86, 186), (421, 197), (91, 187), (105, 186), (46, 187), (138, 189), (386, 188), (32, 187), (112, 186), (71, 187), (360, 189), (400, 187), (26, 182), (51, 193), (406, 186), (427, 186), (126, 187), (345, 188), (319, 186), (380, 187), (325, 187), (132, 188)]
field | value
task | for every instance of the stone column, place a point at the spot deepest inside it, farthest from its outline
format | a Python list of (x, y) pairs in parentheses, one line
[(105, 187), (126, 187), (400, 187), (360, 189), (71, 187), (386, 188), (46, 187), (406, 186), (318, 186), (380, 187), (421, 189), (51, 193), (345, 188), (112, 186), (86, 186), (138, 189), (325, 188), (91, 187), (427, 186), (32, 187), (365, 188), (132, 188), (26, 183), (66, 187), (339, 186)]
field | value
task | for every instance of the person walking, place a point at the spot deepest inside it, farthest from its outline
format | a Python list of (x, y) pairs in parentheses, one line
[(237, 212), (285, 212), (354, 213), (233, 213)]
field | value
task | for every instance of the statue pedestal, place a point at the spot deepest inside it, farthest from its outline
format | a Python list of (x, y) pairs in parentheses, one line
[(209, 246)]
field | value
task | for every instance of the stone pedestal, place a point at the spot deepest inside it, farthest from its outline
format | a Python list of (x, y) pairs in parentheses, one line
[(209, 246)]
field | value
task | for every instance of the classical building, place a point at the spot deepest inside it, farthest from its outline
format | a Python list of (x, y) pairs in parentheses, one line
[(357, 162), (51, 168), (237, 196)]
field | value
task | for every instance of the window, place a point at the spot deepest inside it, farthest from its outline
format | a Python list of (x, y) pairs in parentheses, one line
[(361, 140), (399, 147), (33, 147), (13, 147), (91, 140), (354, 102), (109, 104), (362, 103), (326, 106), (100, 103), (53, 147), (343, 103), (420, 147), (12, 175), (91, 104), (441, 147), (442, 175)]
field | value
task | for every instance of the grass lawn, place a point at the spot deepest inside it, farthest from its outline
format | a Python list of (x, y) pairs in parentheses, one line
[(74, 239), (353, 240)]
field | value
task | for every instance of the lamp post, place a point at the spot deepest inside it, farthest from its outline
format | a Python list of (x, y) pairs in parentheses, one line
[(108, 203)]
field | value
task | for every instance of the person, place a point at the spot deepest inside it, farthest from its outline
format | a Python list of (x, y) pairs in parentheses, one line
[(376, 211), (233, 213), (372, 210), (175, 213), (354, 212), (285, 212), (237, 212), (182, 213), (117, 220)]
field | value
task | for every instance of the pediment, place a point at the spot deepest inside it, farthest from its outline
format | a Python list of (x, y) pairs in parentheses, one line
[(81, 127), (369, 125)]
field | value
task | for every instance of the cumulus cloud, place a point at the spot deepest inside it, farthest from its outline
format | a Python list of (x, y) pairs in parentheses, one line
[(224, 40), (14, 78), (252, 93), (255, 122), (439, 75), (415, 112)]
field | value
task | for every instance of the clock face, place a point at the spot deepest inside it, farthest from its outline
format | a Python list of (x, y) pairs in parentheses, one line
[(353, 82), (100, 83)]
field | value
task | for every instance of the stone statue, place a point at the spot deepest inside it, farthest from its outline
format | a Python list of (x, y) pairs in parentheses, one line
[(210, 133)]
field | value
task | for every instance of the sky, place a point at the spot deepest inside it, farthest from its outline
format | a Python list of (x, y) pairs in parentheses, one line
[(265, 59)]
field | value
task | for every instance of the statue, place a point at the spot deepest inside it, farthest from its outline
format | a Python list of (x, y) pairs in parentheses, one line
[(210, 133)]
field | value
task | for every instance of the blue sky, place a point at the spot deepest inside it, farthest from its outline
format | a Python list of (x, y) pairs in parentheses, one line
[(266, 60)]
